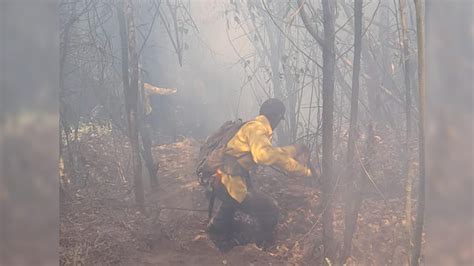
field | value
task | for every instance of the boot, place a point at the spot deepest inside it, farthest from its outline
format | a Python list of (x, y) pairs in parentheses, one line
[(222, 239), (265, 240), (220, 234)]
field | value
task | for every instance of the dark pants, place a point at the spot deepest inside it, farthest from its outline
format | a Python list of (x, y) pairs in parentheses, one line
[(256, 204)]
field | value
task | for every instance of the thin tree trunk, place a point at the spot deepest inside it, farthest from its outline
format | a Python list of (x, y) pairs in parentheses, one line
[(67, 167), (372, 83), (328, 114), (128, 44), (276, 46), (4, 197), (406, 173), (71, 168), (420, 208), (329, 62), (291, 87), (145, 135), (146, 152), (133, 102), (350, 212), (64, 47)]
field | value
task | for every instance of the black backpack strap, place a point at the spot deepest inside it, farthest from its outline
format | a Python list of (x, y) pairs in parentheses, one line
[(210, 207)]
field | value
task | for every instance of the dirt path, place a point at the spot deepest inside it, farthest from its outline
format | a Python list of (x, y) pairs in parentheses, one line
[(183, 240), (101, 225)]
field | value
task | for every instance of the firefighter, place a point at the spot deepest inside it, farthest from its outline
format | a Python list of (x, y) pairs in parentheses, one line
[(252, 146)]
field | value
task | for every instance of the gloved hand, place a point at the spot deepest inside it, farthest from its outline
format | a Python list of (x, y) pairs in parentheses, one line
[(315, 169), (302, 153), (309, 172)]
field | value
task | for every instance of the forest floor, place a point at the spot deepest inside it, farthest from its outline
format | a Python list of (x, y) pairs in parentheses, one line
[(100, 225)]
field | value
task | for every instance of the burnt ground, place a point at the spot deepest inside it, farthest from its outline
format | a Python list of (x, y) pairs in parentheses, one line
[(99, 224)]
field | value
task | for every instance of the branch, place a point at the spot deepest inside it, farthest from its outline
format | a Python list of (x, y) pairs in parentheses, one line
[(289, 39), (312, 30), (149, 31)]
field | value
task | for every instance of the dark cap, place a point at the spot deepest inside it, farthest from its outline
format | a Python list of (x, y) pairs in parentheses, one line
[(273, 108)]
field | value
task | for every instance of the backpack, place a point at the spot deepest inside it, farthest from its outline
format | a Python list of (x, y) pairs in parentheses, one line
[(211, 153), (211, 157)]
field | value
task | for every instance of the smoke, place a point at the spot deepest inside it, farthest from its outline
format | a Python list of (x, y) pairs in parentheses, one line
[(210, 79)]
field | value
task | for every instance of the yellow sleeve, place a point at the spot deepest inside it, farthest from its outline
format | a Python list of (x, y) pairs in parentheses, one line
[(290, 150), (265, 154)]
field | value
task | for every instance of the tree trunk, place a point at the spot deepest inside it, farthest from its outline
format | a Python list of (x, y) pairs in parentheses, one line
[(63, 49), (144, 127), (350, 214), (64, 46), (420, 208), (329, 63), (4, 186), (276, 44), (406, 173), (328, 113), (128, 47), (372, 83), (146, 152)]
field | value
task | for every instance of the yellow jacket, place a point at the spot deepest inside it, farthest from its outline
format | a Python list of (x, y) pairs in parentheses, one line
[(255, 138)]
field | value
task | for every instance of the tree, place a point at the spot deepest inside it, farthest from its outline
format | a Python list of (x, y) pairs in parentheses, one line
[(420, 208), (406, 172), (63, 106), (329, 62), (352, 205), (130, 86)]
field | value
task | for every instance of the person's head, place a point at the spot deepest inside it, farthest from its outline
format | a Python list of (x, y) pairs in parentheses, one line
[(274, 110)]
